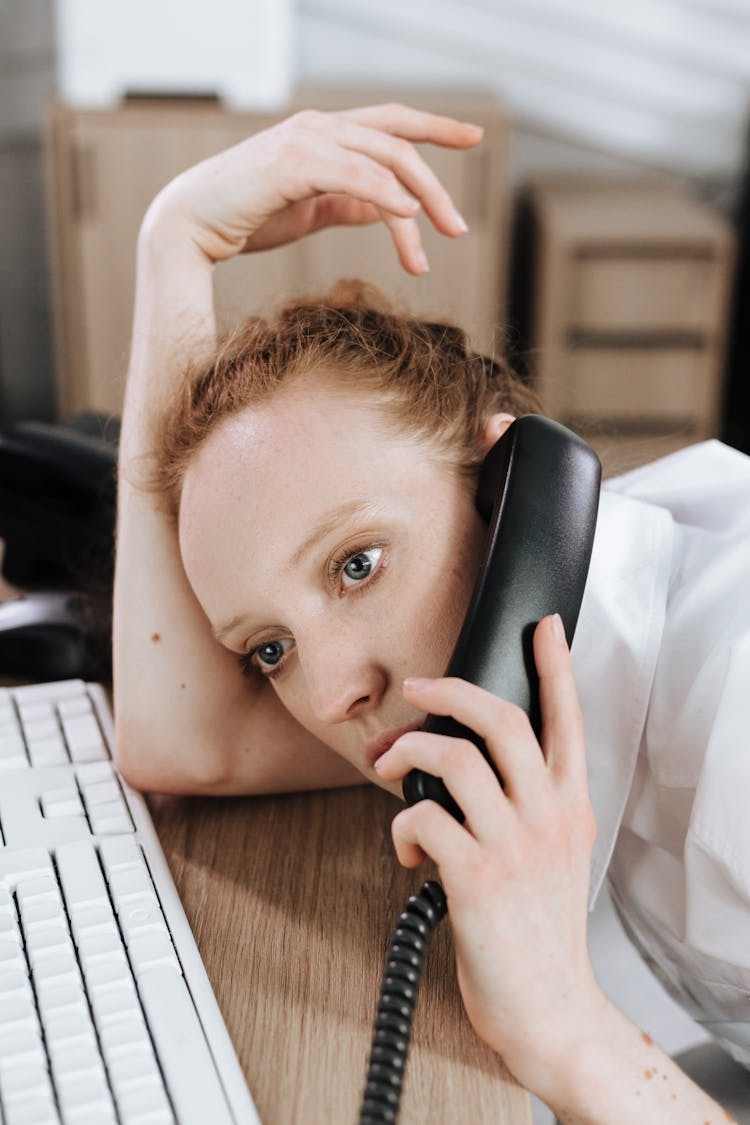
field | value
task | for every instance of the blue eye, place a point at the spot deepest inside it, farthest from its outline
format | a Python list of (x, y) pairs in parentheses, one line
[(360, 566), (268, 658)]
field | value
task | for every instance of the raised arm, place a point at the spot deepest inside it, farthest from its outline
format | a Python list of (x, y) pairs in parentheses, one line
[(186, 718)]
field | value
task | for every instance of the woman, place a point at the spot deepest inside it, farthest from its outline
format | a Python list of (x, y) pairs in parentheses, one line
[(313, 525)]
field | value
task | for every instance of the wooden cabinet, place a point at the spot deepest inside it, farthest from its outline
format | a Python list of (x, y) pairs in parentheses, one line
[(105, 167), (629, 303)]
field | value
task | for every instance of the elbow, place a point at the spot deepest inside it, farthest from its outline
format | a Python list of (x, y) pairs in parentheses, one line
[(151, 765)]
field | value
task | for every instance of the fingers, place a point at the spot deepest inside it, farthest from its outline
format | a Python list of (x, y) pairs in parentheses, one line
[(408, 243), (427, 829), (411, 170), (504, 727), (466, 773), (417, 125), (562, 723), (370, 155)]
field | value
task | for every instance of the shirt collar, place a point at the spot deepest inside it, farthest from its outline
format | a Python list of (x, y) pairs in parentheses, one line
[(615, 650)]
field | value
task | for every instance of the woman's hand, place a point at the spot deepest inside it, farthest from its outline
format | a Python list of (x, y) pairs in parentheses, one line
[(516, 873), (316, 170)]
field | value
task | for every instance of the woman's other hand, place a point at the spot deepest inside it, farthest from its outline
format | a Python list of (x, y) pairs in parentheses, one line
[(316, 170), (516, 873)]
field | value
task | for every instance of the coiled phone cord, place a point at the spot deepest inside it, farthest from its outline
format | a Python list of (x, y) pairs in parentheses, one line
[(398, 998)]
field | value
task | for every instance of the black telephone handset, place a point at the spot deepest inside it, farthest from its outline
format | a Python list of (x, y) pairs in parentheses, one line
[(539, 491)]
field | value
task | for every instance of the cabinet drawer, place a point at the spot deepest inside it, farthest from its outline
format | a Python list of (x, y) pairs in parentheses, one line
[(630, 383), (645, 294)]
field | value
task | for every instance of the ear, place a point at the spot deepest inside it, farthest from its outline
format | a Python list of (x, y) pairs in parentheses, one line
[(493, 429)]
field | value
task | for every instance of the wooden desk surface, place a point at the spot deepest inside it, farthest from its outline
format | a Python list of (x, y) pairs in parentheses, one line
[(292, 900)]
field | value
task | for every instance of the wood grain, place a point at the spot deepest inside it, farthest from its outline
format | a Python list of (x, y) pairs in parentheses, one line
[(292, 900)]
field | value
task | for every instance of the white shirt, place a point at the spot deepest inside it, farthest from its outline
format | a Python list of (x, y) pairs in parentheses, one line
[(662, 664)]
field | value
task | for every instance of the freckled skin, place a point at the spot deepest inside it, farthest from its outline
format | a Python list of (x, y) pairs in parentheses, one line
[(156, 637)]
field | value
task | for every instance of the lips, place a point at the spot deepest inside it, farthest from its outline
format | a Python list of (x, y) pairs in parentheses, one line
[(379, 745)]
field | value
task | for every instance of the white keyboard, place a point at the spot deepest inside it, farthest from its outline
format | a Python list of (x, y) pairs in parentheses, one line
[(106, 1012)]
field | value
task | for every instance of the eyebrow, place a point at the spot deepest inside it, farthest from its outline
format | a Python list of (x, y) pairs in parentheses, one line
[(325, 526)]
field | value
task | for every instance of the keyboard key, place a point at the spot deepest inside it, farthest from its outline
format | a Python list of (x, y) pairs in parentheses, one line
[(110, 819), (11, 952), (151, 949), (143, 1103), (48, 751), (105, 975), (41, 728), (80, 875), (32, 712), (97, 918), (122, 851), (115, 1004), (137, 917), (12, 746), (131, 883), (61, 802), (21, 1081), (84, 738), (60, 996), (19, 1011), (69, 1027), (88, 773), (55, 690), (46, 939), (122, 1037), (37, 1110), (77, 705), (58, 966), (14, 981), (21, 1049), (99, 792), (75, 1057), (37, 913), (84, 1090), (134, 1067), (191, 1079), (36, 888)]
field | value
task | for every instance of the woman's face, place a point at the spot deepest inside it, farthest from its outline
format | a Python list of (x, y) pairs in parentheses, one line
[(339, 555)]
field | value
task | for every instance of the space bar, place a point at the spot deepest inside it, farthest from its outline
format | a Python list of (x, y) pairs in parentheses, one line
[(182, 1050)]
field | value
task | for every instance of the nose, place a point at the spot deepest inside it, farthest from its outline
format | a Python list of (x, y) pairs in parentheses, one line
[(343, 682)]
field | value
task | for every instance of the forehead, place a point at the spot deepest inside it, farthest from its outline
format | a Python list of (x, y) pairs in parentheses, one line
[(269, 473)]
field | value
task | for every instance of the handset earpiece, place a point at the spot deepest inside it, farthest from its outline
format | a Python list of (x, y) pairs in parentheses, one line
[(539, 490)]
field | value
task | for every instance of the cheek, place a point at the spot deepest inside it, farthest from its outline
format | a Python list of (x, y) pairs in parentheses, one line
[(435, 609)]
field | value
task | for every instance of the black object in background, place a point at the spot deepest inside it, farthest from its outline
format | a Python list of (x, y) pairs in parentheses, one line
[(57, 519), (57, 504), (49, 635), (736, 411)]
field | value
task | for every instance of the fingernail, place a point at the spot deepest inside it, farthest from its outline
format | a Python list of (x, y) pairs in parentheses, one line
[(477, 128), (460, 221), (410, 202), (558, 629), (416, 683), (422, 263)]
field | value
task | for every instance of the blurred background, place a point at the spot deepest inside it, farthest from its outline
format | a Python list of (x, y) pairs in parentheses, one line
[(608, 205)]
